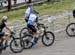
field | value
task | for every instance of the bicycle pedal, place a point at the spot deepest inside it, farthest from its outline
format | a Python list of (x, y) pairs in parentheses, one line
[(47, 37), (2, 47)]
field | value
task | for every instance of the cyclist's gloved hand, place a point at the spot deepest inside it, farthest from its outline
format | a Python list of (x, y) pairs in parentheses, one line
[(12, 32), (36, 19)]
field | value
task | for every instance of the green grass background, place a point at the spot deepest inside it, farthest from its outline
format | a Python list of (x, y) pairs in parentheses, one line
[(49, 8)]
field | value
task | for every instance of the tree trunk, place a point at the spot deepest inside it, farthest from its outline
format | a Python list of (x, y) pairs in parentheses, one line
[(29, 1), (9, 5)]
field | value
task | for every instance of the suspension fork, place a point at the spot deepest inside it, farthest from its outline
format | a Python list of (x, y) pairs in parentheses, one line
[(14, 40), (45, 33)]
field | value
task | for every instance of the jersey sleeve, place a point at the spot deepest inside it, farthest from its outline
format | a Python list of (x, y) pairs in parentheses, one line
[(36, 19), (4, 25)]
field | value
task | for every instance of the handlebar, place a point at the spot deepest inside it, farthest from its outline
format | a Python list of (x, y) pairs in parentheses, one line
[(40, 24)]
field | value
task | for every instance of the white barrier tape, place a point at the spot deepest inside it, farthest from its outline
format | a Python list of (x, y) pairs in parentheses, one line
[(59, 30)]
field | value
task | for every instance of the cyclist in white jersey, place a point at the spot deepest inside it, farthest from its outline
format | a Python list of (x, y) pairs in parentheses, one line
[(27, 12), (30, 24)]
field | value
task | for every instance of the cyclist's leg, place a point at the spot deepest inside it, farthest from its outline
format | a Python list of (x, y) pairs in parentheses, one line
[(1, 41), (1, 38), (6, 37), (35, 35)]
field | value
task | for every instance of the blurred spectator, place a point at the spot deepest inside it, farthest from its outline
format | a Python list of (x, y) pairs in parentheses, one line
[(1, 4), (15, 1)]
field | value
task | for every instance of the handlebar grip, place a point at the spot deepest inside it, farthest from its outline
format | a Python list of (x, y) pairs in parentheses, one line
[(12, 33)]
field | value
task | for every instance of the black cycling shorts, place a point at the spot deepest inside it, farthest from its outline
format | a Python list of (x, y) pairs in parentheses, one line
[(26, 19), (74, 13), (32, 28), (1, 34)]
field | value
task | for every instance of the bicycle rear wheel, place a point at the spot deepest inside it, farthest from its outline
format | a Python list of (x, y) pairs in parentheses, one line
[(27, 41), (15, 45), (48, 38), (70, 29)]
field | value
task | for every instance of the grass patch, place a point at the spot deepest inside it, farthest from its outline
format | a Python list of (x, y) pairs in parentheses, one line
[(49, 8)]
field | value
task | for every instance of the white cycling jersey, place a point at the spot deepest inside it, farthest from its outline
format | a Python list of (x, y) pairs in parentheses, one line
[(27, 12), (32, 19)]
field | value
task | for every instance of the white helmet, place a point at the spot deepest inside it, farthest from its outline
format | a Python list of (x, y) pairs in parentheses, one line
[(4, 18)]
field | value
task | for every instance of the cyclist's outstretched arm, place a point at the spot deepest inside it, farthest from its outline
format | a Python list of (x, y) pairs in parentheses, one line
[(8, 29)]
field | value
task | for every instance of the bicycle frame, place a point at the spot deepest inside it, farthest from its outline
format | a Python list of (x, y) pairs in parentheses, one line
[(38, 26), (13, 36), (44, 30)]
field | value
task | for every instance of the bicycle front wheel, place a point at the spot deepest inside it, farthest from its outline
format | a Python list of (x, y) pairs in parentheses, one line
[(48, 38), (27, 41), (15, 45), (70, 29), (23, 32)]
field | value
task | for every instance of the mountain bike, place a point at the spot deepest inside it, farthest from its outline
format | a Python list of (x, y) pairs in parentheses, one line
[(15, 44), (47, 37)]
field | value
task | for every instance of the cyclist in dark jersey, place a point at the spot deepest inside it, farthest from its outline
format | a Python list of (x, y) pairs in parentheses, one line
[(2, 26), (74, 13), (73, 6)]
